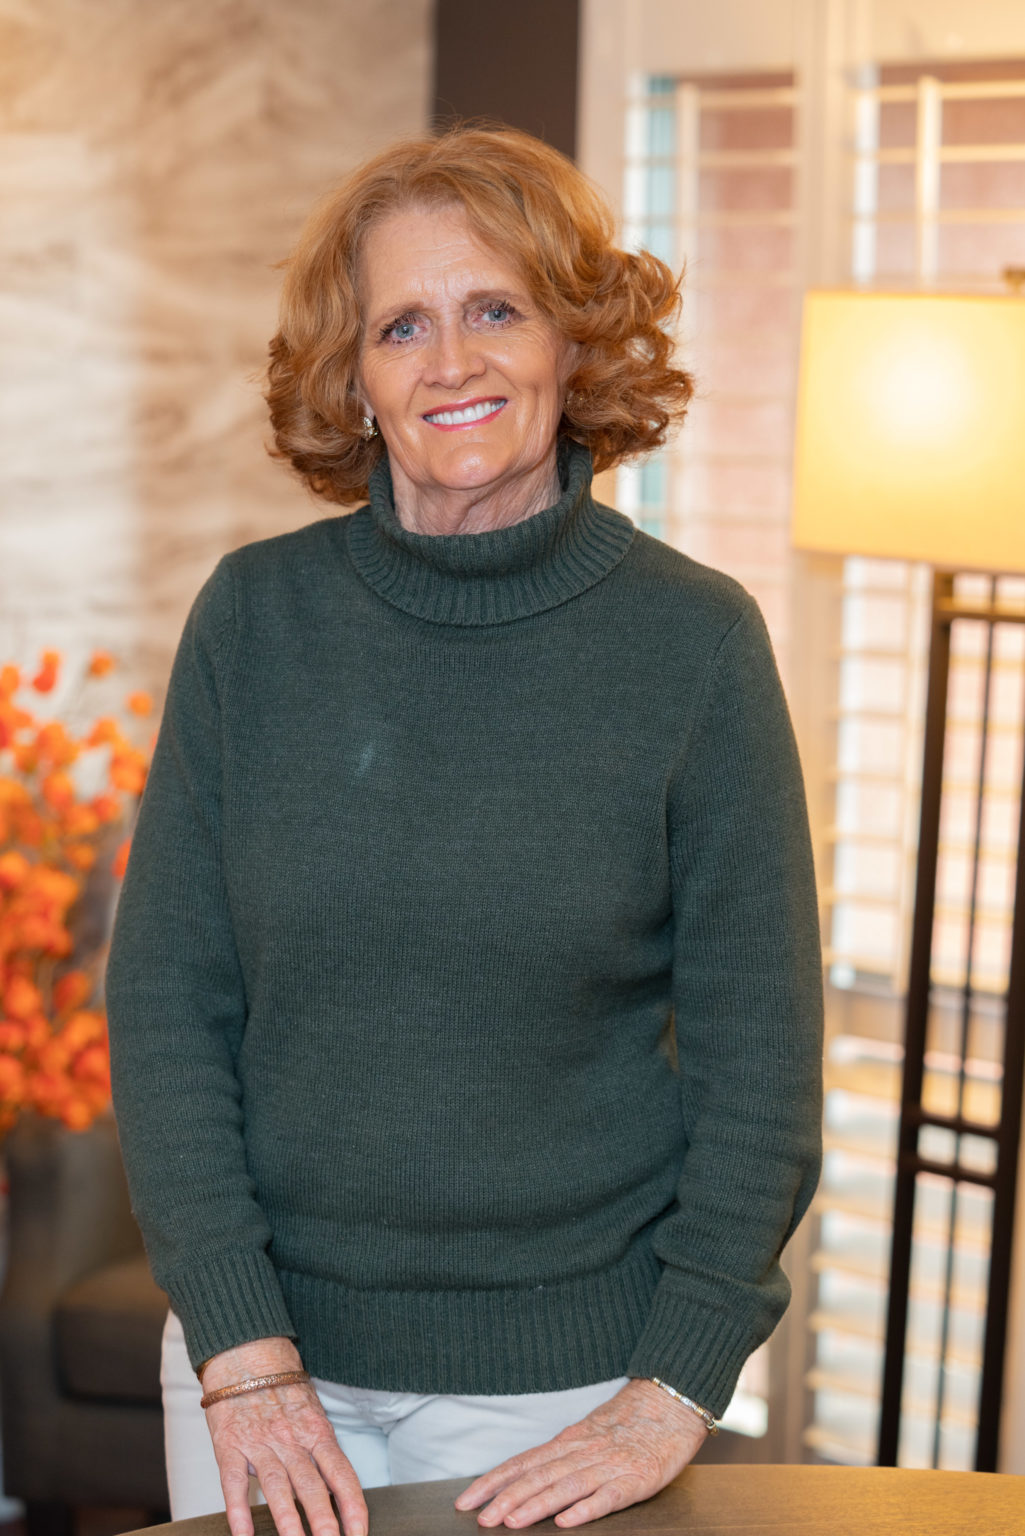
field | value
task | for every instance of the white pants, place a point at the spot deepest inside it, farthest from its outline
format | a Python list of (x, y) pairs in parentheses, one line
[(389, 1437)]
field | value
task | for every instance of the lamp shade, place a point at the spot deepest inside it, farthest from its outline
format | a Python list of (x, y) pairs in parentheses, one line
[(911, 428)]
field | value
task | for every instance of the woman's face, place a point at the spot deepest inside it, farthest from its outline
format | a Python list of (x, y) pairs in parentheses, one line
[(465, 376)]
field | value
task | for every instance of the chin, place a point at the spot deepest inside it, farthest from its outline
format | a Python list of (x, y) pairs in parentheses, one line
[(474, 475)]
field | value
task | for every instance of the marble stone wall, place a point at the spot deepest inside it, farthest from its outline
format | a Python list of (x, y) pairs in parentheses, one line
[(156, 159)]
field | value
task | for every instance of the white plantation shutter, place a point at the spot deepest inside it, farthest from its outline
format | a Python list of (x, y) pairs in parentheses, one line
[(938, 197), (935, 197), (709, 183)]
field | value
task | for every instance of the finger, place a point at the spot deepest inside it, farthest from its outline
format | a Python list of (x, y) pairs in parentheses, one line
[(490, 1483), (234, 1470), (339, 1475), (479, 1491), (518, 1492), (537, 1484), (560, 1463), (616, 1494), (560, 1494), (313, 1493), (277, 1490)]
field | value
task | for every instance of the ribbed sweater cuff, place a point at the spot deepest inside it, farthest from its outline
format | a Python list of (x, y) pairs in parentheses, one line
[(696, 1349), (227, 1301)]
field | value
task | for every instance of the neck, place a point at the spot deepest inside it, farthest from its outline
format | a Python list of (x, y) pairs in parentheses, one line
[(439, 510), (502, 574)]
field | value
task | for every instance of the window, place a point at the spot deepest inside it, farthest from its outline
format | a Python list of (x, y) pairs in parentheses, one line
[(709, 185), (938, 200), (936, 197)]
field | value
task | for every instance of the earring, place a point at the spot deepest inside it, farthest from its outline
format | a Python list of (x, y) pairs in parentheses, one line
[(369, 428)]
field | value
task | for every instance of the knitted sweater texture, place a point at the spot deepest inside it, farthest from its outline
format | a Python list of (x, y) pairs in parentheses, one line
[(443, 835)]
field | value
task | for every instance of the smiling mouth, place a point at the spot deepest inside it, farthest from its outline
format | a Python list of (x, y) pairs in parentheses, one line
[(466, 415)]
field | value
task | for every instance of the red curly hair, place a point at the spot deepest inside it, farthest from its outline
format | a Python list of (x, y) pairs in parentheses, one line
[(619, 306)]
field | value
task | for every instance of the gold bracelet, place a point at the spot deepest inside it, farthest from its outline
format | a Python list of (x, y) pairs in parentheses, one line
[(256, 1384), (707, 1418)]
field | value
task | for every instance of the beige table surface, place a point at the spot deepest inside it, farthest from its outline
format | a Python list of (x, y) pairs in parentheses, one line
[(731, 1501)]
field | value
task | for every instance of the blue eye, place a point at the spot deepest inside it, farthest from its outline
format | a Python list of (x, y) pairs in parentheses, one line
[(498, 314), (402, 329)]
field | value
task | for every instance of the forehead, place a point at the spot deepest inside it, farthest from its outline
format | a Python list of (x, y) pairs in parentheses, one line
[(427, 253)]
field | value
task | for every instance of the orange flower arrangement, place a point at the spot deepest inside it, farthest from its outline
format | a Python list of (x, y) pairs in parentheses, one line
[(54, 1059)]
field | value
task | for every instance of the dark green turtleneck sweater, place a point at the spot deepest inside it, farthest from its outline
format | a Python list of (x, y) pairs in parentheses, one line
[(440, 832)]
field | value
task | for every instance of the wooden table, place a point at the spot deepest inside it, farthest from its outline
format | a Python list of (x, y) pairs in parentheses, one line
[(731, 1501)]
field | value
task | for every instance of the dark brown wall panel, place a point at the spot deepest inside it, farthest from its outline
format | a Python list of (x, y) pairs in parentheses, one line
[(516, 63)]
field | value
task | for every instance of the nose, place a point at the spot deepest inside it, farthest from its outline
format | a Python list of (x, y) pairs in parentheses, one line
[(453, 356)]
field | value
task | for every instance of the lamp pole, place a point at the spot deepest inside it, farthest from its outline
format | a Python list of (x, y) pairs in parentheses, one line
[(1002, 1134)]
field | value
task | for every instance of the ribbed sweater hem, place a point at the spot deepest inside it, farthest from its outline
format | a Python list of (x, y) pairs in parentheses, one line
[(544, 1338), (696, 1348), (224, 1302)]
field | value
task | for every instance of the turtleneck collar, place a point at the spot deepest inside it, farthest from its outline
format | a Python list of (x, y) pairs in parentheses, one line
[(494, 577)]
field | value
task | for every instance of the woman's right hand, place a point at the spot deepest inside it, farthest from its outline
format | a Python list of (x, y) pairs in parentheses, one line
[(281, 1434)]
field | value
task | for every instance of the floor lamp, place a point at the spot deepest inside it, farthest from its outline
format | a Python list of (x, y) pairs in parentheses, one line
[(911, 445)]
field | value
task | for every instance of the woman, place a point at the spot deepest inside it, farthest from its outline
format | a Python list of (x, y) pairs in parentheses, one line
[(457, 801)]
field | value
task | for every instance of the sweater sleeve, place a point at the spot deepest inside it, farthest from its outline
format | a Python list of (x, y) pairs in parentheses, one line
[(177, 1012), (747, 985)]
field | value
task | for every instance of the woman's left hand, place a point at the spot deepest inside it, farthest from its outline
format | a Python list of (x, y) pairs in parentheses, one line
[(625, 1451)]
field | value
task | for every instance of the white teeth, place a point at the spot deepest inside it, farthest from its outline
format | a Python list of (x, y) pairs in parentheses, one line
[(459, 418)]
